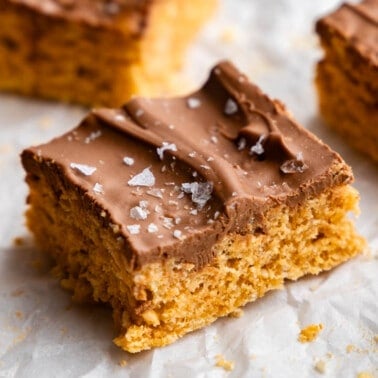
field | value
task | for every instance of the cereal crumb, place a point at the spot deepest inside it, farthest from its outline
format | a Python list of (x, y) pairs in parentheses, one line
[(223, 363), (364, 374), (17, 293), (238, 313), (350, 348), (122, 363), (19, 314), (310, 333), (228, 35), (375, 338), (320, 366), (18, 241)]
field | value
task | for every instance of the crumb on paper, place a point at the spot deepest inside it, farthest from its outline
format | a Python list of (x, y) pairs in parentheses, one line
[(21, 336), (223, 363), (19, 314), (320, 366), (228, 34), (63, 330), (17, 293), (18, 241), (310, 333), (122, 363), (350, 348), (238, 313), (45, 123), (365, 374)]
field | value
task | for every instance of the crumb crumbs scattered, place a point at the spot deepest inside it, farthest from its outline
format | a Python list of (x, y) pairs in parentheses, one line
[(18, 241), (17, 293), (310, 333), (238, 313), (228, 35), (350, 348), (320, 366), (365, 374), (223, 363), (122, 363)]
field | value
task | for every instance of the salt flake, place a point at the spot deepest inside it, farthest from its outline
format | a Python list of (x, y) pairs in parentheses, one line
[(230, 107), (258, 148), (193, 103), (134, 229), (165, 147), (293, 166), (98, 188), (92, 136), (152, 228), (200, 191), (177, 234), (138, 213), (145, 178), (128, 160), (86, 170)]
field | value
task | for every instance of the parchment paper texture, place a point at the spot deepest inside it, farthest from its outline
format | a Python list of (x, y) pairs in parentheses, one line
[(43, 335)]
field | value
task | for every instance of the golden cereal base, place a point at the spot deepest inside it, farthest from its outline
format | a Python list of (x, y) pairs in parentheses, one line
[(162, 301), (75, 62)]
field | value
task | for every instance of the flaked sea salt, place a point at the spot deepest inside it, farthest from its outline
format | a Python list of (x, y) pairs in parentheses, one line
[(214, 139), (120, 117), (293, 166), (177, 234), (139, 112), (200, 192), (155, 192), (242, 143), (152, 228), (258, 148), (138, 213), (128, 160), (92, 136), (230, 107), (98, 188), (145, 178), (165, 147), (193, 103), (134, 229), (86, 170), (167, 222)]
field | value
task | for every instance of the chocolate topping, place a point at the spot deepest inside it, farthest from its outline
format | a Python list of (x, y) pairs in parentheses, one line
[(177, 174), (358, 24), (105, 13)]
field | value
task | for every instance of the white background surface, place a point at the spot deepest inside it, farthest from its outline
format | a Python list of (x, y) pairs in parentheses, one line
[(42, 335)]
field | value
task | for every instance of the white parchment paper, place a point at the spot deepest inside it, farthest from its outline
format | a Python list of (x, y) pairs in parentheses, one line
[(43, 335)]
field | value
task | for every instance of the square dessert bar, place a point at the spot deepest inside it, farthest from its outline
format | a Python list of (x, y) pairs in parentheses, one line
[(178, 211), (347, 77), (95, 52)]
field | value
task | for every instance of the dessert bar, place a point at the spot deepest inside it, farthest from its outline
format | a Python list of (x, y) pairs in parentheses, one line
[(95, 52), (178, 211), (347, 77)]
